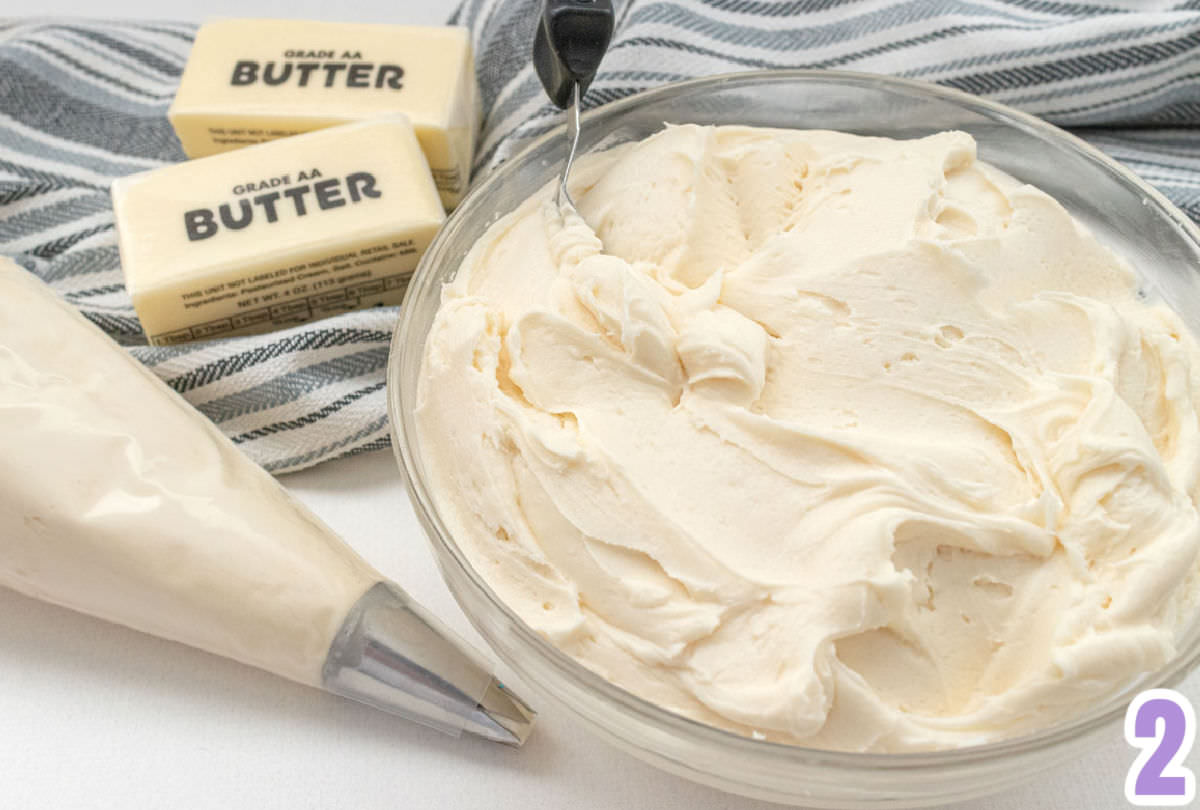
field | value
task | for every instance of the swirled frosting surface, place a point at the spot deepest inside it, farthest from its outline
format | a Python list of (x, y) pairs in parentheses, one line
[(850, 442)]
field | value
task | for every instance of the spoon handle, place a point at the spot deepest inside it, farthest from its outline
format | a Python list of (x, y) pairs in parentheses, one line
[(570, 42)]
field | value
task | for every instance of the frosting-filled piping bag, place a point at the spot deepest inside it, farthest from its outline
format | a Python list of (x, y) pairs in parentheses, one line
[(119, 500)]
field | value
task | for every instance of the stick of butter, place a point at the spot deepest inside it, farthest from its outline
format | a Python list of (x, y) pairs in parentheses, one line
[(276, 234), (249, 81)]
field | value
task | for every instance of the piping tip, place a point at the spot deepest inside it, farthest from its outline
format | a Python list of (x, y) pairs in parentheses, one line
[(501, 716), (393, 654)]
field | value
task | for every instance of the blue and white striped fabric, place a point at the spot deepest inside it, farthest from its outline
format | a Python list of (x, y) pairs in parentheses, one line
[(83, 103), (1124, 74)]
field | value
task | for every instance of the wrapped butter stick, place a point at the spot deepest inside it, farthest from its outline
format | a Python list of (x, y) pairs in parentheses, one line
[(276, 234), (119, 500), (250, 81)]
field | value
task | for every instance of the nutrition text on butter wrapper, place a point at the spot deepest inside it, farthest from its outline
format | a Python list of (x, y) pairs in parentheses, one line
[(298, 293)]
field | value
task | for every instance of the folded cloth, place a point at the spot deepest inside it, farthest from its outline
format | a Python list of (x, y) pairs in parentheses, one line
[(84, 102), (1123, 74)]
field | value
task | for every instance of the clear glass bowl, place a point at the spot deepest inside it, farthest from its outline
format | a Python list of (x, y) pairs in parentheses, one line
[(1122, 210)]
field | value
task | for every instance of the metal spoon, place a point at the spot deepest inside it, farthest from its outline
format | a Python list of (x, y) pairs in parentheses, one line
[(570, 42)]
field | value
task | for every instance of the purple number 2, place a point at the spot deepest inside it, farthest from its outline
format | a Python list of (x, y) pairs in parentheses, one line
[(1162, 723)]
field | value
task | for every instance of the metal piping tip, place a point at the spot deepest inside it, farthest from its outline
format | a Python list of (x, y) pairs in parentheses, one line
[(393, 654), (501, 716)]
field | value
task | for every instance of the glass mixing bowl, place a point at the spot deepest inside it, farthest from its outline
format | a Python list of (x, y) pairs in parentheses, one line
[(1123, 212)]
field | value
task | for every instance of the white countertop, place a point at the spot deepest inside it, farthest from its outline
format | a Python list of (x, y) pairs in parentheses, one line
[(96, 716)]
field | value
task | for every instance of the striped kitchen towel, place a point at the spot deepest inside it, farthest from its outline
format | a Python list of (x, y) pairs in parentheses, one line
[(84, 102), (1123, 74)]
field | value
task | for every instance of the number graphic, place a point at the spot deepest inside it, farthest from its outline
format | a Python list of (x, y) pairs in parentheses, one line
[(1162, 723)]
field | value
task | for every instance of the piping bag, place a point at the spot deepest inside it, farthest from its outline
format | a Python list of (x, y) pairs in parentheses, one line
[(119, 500)]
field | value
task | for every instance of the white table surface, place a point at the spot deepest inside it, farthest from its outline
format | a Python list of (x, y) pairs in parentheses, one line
[(97, 716)]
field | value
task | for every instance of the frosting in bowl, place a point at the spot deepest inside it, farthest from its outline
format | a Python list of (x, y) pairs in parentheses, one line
[(849, 442)]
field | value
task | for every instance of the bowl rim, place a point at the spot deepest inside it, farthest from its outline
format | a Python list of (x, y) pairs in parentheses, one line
[(439, 536)]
